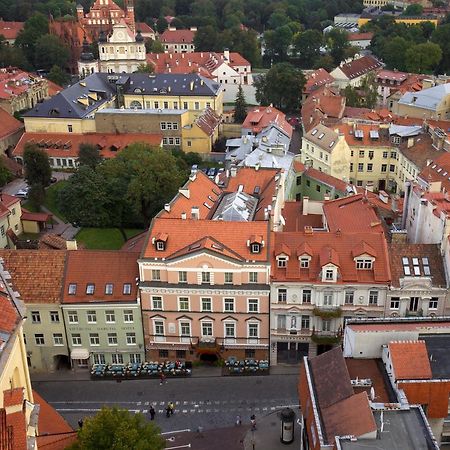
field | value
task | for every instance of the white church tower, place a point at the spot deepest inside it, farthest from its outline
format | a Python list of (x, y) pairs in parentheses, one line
[(122, 51)]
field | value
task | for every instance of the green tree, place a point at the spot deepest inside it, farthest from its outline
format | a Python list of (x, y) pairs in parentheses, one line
[(423, 58), (324, 61), (49, 52), (5, 174), (394, 53), (35, 27), (37, 165), (351, 97), (206, 39), (277, 42), (441, 36), (161, 25), (240, 105), (369, 91), (89, 155), (145, 68), (307, 46), (36, 195), (337, 43), (282, 86), (154, 46), (58, 76), (118, 429), (415, 9)]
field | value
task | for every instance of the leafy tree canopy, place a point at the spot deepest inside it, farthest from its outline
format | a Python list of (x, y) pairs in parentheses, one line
[(37, 165)]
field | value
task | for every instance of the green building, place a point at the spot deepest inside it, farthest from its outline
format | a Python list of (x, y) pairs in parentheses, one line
[(101, 308)]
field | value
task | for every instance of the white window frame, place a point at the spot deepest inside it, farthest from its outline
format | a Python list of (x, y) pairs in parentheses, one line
[(434, 300), (304, 262), (94, 339), (156, 275), (76, 340), (282, 261), (117, 358), (128, 316), (364, 264), (253, 277), (251, 302), (157, 298), (182, 278), (72, 316), (54, 315), (230, 275), (111, 338), (253, 326), (207, 323), (35, 317), (89, 315), (99, 358), (156, 324), (397, 301), (371, 295), (180, 299), (39, 339), (131, 338), (225, 310), (210, 302), (58, 339), (232, 338), (110, 316), (109, 288), (126, 289)]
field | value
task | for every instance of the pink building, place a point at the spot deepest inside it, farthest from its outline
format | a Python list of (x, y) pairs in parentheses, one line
[(205, 269)]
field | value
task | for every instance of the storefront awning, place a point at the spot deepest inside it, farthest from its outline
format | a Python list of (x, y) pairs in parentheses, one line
[(79, 353)]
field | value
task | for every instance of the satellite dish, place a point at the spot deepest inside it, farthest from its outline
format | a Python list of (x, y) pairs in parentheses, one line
[(372, 393)]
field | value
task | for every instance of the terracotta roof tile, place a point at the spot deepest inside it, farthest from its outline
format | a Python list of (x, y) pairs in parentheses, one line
[(335, 248), (261, 117), (9, 318), (327, 179), (429, 251), (317, 79), (10, 30), (421, 151), (10, 124), (177, 36), (54, 432), (208, 121), (360, 36), (185, 236), (435, 170), (13, 397), (100, 267), (67, 144), (410, 360), (17, 421), (36, 274), (360, 66)]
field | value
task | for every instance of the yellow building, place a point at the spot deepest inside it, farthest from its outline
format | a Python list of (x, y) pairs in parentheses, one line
[(398, 19), (325, 149), (13, 356)]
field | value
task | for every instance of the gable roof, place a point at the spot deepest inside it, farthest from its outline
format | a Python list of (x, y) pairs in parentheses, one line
[(316, 79), (188, 236), (335, 248), (359, 67), (327, 179), (438, 169), (10, 30), (100, 267), (36, 274), (171, 36), (261, 117), (410, 360), (323, 137), (66, 145)]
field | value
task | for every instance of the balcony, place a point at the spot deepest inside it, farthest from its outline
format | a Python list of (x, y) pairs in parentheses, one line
[(236, 342), (172, 340), (326, 337), (327, 312)]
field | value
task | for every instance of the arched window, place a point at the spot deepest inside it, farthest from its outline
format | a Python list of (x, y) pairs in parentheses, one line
[(135, 105)]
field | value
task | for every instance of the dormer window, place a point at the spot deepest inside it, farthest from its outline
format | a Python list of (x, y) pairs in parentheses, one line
[(90, 288), (304, 262), (160, 246), (255, 248), (108, 288), (282, 261), (329, 274), (364, 264), (160, 241), (72, 288)]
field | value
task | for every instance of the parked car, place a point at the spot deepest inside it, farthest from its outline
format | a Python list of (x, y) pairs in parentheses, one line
[(211, 172), (23, 193), (53, 180)]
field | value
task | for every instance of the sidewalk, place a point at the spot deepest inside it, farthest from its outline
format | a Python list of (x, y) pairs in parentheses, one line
[(197, 372)]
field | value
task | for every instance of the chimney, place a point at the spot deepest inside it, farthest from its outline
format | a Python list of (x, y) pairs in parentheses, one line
[(383, 196), (266, 214), (305, 206), (167, 207), (191, 85), (226, 54), (71, 245), (308, 229), (233, 171), (193, 28), (183, 215), (195, 212), (157, 56), (410, 142)]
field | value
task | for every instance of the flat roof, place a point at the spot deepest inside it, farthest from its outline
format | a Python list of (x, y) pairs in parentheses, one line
[(438, 354), (426, 326), (402, 429)]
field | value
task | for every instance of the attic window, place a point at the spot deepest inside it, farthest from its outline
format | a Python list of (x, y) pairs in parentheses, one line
[(90, 288), (282, 261), (108, 288), (72, 288), (304, 263), (364, 264), (255, 248), (406, 268), (160, 246), (127, 288)]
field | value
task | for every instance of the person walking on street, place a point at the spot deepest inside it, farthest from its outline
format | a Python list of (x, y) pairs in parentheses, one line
[(168, 410), (253, 422), (172, 408), (162, 378), (152, 413), (238, 420)]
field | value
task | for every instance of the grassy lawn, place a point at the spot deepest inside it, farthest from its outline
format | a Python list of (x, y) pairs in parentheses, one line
[(51, 196), (104, 238), (27, 205)]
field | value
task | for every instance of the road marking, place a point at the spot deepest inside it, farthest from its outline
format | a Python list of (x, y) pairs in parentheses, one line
[(176, 431), (185, 411), (146, 403), (179, 446), (145, 411)]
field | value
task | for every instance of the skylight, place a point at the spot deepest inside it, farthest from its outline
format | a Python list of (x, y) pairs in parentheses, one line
[(314, 132), (406, 270), (321, 135)]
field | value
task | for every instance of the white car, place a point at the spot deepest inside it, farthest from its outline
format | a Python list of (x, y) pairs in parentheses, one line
[(23, 193)]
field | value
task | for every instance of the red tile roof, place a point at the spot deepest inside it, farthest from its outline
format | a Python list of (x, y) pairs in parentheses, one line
[(190, 235), (296, 220), (353, 213), (10, 124), (421, 151), (410, 360), (360, 66), (177, 37), (348, 130), (13, 397), (34, 216), (324, 178), (204, 62), (89, 266), (435, 170), (10, 317), (208, 121), (53, 88), (14, 82), (339, 249), (317, 79), (60, 145), (144, 28), (393, 75), (54, 432), (261, 117), (10, 30), (36, 274), (360, 36)]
